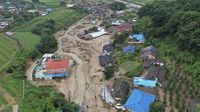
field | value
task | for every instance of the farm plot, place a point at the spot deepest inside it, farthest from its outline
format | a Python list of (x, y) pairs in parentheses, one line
[(7, 49)]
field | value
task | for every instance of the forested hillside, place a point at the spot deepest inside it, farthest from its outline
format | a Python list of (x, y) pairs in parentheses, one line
[(174, 27), (178, 22)]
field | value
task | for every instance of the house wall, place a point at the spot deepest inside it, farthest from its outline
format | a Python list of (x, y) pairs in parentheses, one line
[(53, 71)]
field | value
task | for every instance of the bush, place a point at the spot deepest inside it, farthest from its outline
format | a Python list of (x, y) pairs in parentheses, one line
[(109, 72), (117, 6)]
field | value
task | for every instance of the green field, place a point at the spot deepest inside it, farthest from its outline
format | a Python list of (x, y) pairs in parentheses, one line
[(7, 49), (143, 2), (2, 101), (62, 16), (49, 3), (28, 40)]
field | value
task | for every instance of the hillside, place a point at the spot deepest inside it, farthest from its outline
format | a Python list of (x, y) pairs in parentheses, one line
[(174, 29), (7, 49)]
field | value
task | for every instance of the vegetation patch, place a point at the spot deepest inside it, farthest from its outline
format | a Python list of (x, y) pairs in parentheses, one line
[(27, 39), (7, 49)]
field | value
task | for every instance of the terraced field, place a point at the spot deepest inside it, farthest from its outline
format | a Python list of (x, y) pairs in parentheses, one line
[(28, 40), (7, 49)]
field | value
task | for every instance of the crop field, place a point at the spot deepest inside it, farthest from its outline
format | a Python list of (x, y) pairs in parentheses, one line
[(27, 39), (143, 2), (7, 49), (62, 16), (49, 3)]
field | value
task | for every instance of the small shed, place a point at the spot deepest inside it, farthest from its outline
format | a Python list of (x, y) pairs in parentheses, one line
[(149, 62), (106, 60), (129, 49), (137, 38), (120, 89), (139, 101)]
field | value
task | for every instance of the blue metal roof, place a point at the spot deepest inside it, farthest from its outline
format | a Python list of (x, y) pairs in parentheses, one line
[(138, 37), (41, 75), (139, 101), (129, 49), (144, 82)]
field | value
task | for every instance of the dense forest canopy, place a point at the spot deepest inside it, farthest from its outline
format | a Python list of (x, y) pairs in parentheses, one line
[(177, 19), (178, 24)]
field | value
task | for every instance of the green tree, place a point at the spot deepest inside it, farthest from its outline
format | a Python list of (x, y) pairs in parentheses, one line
[(117, 6), (109, 72), (157, 107)]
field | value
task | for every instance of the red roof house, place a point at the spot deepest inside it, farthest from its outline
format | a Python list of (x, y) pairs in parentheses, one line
[(123, 28), (56, 66)]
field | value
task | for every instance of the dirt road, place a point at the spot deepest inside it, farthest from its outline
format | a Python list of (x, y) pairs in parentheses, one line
[(85, 84), (9, 99)]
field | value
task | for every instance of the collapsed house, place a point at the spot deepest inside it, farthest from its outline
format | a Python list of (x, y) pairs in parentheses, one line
[(93, 35), (149, 52), (139, 101), (120, 89), (106, 96)]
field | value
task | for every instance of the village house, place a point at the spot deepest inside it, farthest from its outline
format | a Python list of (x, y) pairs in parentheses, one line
[(149, 52), (123, 28), (137, 38), (157, 72), (54, 66), (118, 22), (120, 89), (106, 60), (139, 81), (108, 49), (46, 57), (149, 62), (96, 34), (139, 101), (129, 49)]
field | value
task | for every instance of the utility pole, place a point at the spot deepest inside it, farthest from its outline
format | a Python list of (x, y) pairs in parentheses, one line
[(23, 89)]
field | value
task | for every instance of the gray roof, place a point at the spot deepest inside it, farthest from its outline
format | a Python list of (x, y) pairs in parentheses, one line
[(148, 63), (106, 60), (150, 50), (120, 89), (108, 48), (158, 72)]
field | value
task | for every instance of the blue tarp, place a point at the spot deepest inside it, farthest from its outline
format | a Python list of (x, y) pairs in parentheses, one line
[(138, 37), (129, 49), (144, 82), (139, 101)]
